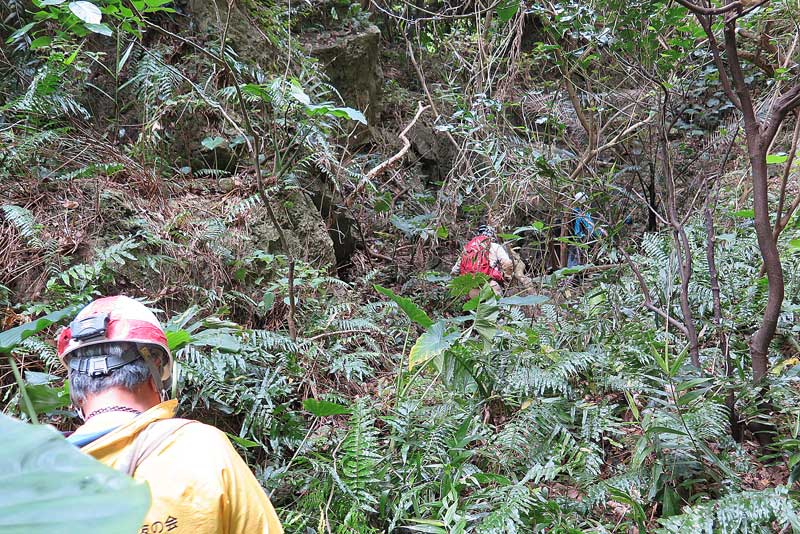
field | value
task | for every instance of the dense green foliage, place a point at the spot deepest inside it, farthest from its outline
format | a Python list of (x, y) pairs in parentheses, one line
[(150, 148)]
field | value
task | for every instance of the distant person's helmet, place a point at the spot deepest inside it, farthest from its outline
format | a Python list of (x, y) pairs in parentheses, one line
[(581, 197), (487, 230), (116, 320)]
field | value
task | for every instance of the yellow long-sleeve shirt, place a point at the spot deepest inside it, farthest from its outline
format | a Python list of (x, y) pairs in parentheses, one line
[(198, 482)]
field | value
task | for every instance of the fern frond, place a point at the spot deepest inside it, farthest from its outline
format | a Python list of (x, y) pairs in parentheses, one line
[(23, 220), (749, 511)]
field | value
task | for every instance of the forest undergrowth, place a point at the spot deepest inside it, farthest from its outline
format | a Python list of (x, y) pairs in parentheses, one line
[(301, 272)]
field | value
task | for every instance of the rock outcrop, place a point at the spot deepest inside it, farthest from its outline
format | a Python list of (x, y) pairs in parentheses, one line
[(351, 60)]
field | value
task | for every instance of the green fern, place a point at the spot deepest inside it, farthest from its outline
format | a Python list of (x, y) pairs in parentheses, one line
[(359, 464), (86, 275), (509, 510), (737, 513), (25, 223)]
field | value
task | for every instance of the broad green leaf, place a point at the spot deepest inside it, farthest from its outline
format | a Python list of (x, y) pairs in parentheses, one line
[(414, 312), (461, 285), (506, 10), (48, 486), (537, 226), (210, 143), (486, 314), (567, 271), (177, 339), (689, 396), (383, 203), (40, 42), (519, 300), (353, 114), (243, 442), (426, 526), (299, 95), (430, 344), (341, 113), (794, 243), (257, 90), (220, 339), (86, 11), (321, 408), (662, 363), (773, 159), (671, 502), (676, 365), (47, 399), (471, 304), (267, 301), (100, 28), (73, 55), (693, 383), (13, 337), (632, 405), (509, 237), (744, 214)]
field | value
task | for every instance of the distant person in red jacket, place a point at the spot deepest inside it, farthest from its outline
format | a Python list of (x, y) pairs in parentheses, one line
[(483, 254)]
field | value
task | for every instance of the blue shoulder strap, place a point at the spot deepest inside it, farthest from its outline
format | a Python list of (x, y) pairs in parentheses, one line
[(82, 440)]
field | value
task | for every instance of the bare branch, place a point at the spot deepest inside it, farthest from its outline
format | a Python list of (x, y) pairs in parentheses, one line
[(694, 8), (648, 301), (785, 103), (386, 165)]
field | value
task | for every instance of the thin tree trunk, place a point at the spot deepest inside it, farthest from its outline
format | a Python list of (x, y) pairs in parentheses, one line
[(652, 222), (722, 334), (757, 147), (682, 245)]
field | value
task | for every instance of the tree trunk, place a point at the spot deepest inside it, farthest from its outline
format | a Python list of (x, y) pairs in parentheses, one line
[(759, 343)]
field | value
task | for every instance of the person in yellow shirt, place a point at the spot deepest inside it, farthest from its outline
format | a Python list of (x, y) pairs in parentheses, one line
[(120, 367)]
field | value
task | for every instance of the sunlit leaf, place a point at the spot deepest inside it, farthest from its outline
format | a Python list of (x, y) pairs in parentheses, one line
[(100, 28), (177, 339), (430, 344), (86, 11), (20, 32), (773, 159), (321, 408)]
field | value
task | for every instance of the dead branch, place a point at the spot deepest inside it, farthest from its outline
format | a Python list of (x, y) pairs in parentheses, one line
[(787, 169), (648, 301), (386, 165), (383, 167)]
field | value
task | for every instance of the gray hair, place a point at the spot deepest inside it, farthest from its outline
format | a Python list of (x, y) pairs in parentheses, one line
[(127, 377)]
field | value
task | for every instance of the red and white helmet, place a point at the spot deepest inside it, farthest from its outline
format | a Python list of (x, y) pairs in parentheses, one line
[(112, 320)]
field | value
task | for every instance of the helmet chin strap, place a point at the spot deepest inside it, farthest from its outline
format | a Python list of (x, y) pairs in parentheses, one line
[(155, 374)]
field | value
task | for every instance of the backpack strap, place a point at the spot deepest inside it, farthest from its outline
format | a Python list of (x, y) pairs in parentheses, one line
[(148, 441)]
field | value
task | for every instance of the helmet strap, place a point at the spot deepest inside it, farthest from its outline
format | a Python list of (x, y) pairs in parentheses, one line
[(102, 364)]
